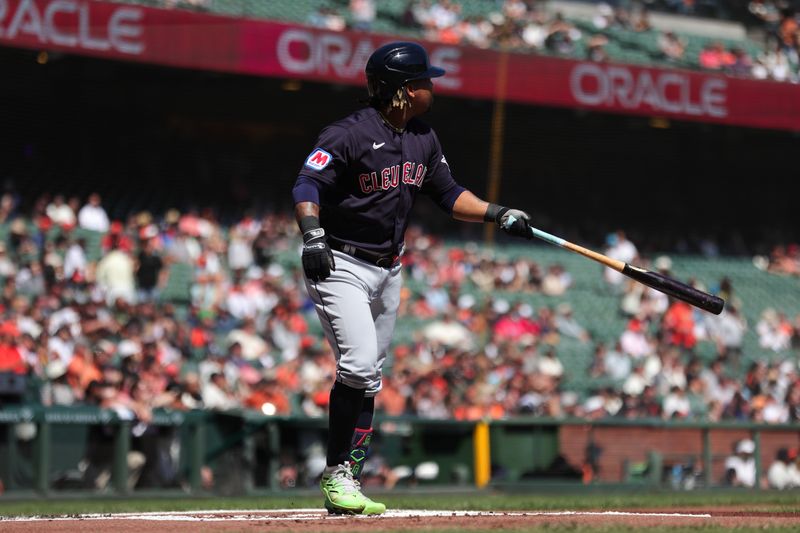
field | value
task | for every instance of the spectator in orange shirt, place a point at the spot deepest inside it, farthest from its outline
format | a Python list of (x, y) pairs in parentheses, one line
[(268, 398), (715, 57), (678, 325), (10, 357), (787, 29), (82, 369)]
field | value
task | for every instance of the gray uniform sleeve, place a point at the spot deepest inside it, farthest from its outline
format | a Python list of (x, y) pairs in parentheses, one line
[(439, 183)]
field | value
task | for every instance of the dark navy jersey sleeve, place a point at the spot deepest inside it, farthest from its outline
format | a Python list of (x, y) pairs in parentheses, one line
[(439, 183), (327, 161)]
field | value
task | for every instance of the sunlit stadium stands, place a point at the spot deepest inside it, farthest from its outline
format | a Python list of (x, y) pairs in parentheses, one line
[(625, 45)]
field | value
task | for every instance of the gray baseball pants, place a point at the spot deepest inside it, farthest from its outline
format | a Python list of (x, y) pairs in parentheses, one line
[(357, 307)]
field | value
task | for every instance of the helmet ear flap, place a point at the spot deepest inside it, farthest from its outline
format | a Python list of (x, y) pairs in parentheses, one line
[(377, 89), (373, 86)]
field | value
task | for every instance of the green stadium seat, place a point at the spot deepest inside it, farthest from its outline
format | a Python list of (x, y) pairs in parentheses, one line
[(179, 283)]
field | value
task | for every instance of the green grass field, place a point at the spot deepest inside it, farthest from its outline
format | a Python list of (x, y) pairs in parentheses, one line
[(746, 501)]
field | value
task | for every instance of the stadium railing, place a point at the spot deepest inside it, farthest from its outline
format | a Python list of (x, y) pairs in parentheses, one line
[(246, 450)]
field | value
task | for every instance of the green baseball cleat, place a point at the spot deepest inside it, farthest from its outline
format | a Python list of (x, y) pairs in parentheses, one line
[(343, 493)]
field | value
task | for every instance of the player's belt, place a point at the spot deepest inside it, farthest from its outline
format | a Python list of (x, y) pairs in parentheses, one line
[(377, 259)]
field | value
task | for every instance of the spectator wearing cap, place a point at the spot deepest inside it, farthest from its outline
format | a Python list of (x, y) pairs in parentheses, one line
[(92, 216), (57, 390), (740, 468)]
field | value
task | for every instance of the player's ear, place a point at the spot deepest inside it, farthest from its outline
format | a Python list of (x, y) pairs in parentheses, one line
[(409, 89)]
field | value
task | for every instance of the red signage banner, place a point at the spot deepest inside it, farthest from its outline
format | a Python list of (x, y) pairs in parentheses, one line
[(212, 42)]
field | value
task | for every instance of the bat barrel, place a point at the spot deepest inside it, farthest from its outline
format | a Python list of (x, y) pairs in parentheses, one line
[(676, 289)]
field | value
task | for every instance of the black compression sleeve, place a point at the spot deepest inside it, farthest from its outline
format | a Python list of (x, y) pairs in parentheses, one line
[(309, 223), (343, 412), (493, 212)]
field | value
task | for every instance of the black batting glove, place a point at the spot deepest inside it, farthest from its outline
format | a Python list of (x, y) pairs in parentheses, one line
[(512, 221), (317, 256)]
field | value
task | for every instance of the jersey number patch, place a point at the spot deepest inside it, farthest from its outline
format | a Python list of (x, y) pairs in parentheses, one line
[(318, 159)]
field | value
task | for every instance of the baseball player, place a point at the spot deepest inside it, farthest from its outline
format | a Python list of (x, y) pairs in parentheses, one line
[(352, 199)]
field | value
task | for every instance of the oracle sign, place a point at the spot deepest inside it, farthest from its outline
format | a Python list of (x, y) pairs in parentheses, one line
[(73, 24), (631, 88), (308, 52)]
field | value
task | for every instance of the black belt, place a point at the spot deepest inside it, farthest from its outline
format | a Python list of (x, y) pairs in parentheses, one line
[(377, 259)]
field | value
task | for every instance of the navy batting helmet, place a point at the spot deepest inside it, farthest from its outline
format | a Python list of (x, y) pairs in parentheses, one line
[(393, 65)]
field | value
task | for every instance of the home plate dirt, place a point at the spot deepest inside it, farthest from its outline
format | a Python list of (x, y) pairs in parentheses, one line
[(314, 519)]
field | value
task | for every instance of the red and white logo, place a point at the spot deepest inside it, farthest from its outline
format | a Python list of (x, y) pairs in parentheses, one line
[(318, 159)]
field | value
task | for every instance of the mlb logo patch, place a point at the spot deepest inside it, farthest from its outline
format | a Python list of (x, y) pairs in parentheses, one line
[(318, 159)]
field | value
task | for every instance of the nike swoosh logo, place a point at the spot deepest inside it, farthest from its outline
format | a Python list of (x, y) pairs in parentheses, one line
[(375, 145)]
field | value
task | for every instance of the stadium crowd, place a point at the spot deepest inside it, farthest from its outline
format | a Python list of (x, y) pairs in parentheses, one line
[(88, 316), (529, 26), (100, 332)]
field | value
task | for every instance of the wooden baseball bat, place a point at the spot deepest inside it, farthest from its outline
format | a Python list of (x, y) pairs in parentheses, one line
[(665, 284)]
